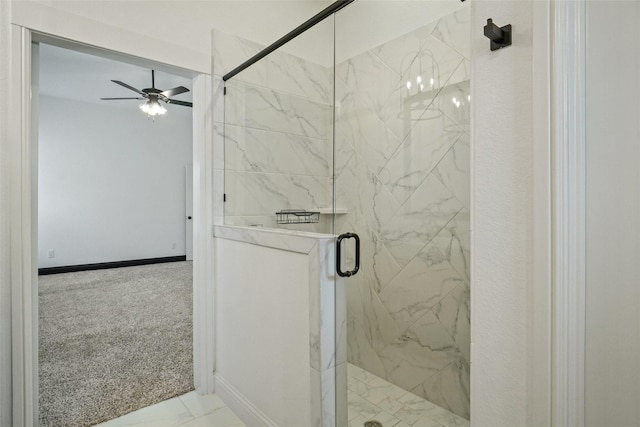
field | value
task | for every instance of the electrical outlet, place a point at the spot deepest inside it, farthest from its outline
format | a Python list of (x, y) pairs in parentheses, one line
[(174, 245), (51, 253)]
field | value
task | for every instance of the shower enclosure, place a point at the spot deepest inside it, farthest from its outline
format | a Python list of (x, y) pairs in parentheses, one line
[(360, 124)]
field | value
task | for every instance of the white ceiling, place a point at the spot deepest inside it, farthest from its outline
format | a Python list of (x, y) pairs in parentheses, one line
[(83, 77)]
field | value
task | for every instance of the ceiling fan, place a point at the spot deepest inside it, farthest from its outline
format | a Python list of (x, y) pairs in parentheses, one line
[(153, 106)]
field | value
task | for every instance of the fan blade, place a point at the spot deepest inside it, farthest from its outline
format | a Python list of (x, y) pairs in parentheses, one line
[(176, 102), (111, 99), (175, 91), (129, 87)]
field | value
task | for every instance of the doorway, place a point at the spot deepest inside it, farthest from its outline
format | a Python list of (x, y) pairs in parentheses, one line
[(23, 158), (115, 289)]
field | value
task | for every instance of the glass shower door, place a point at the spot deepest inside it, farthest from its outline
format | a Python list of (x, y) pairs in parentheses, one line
[(278, 135), (402, 184)]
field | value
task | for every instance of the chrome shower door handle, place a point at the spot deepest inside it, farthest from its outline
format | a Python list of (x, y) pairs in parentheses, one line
[(339, 257)]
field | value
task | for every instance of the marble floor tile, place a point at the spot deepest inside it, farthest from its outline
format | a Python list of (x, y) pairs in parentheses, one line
[(222, 417), (200, 405), (169, 413), (408, 410), (188, 410)]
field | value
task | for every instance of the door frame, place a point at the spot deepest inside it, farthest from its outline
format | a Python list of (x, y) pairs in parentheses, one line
[(22, 156)]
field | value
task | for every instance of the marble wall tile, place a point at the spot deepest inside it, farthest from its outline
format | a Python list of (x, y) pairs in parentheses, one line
[(432, 68), (258, 150), (419, 287), (378, 265), (401, 52), (454, 313), (422, 352), (421, 151), (378, 326), (250, 194), (361, 353), (455, 99), (449, 389), (418, 221), (229, 51), (453, 170), (234, 102), (365, 196), (291, 74), (263, 108), (218, 193), (455, 31), (369, 135), (454, 243), (218, 99)]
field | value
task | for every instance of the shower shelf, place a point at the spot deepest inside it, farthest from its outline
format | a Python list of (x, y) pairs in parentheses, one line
[(330, 211), (297, 216), (302, 216)]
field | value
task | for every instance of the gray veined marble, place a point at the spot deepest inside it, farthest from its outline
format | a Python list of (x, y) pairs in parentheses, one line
[(229, 51), (454, 313), (455, 98), (378, 326), (454, 30), (424, 147), (271, 110), (251, 194), (366, 197), (419, 220), (360, 351), (368, 135), (449, 389), (258, 150), (398, 54), (420, 353), (453, 170), (419, 286), (419, 86), (291, 74), (454, 240)]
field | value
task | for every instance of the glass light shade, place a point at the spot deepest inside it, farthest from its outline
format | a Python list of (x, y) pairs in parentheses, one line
[(152, 108)]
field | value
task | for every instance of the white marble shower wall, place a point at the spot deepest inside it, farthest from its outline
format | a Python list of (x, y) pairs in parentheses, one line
[(277, 135), (402, 173)]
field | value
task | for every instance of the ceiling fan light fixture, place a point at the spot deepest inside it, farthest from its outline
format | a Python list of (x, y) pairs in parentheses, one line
[(152, 108)]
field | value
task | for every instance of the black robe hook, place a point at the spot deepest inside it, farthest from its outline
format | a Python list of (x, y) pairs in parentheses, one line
[(499, 36)]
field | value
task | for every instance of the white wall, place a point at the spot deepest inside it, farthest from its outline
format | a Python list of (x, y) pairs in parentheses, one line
[(501, 212), (111, 182), (612, 375), (5, 249), (262, 329)]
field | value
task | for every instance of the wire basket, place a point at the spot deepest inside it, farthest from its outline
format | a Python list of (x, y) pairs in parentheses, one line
[(296, 216)]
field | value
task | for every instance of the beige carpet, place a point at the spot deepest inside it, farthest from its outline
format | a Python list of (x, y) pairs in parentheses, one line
[(113, 341)]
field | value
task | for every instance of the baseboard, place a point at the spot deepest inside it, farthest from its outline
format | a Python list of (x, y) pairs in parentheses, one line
[(245, 410), (105, 265)]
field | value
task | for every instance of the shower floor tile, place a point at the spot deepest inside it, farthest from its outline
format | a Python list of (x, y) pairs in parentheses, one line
[(372, 398)]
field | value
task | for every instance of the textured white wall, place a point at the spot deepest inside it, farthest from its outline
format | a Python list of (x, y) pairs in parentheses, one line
[(501, 209), (612, 377), (111, 183), (5, 272)]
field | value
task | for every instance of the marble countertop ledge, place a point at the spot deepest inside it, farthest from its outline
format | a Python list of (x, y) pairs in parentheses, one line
[(288, 240)]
